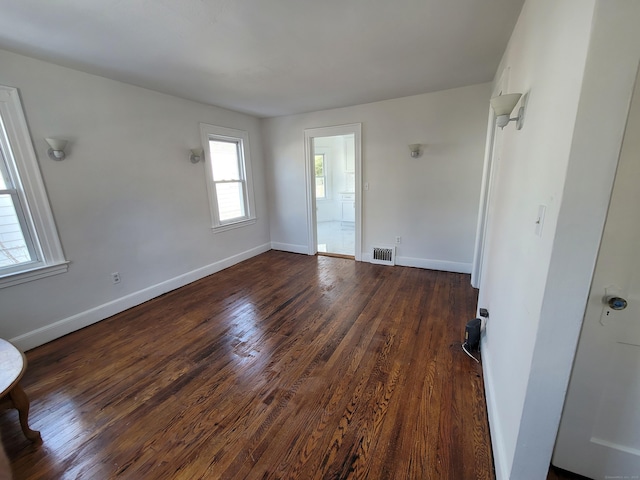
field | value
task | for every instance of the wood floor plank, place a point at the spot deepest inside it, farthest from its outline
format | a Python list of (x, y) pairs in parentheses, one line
[(283, 366)]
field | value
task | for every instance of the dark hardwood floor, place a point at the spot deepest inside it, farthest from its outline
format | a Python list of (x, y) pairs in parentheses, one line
[(284, 366), (559, 474)]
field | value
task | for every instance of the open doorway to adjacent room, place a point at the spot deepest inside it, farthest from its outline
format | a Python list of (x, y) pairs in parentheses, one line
[(334, 190)]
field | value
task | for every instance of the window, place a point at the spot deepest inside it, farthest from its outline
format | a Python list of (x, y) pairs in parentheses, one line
[(16, 244), (228, 168), (29, 244), (321, 176)]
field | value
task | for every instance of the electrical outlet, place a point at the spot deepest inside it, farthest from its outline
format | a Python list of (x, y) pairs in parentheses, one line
[(115, 277), (484, 317), (398, 240), (483, 324)]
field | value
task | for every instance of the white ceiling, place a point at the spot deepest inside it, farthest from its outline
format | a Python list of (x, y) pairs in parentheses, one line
[(269, 57)]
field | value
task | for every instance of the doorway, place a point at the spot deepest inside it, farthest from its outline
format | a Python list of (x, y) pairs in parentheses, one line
[(333, 190), (492, 159)]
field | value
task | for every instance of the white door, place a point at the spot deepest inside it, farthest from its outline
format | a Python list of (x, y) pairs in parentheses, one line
[(599, 434)]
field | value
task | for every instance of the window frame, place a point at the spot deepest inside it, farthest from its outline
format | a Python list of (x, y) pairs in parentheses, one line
[(241, 138), (34, 212), (323, 176)]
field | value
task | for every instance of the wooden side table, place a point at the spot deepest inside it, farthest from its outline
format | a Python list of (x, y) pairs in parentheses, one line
[(13, 364)]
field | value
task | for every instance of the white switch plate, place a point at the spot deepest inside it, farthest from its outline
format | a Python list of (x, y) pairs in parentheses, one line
[(540, 219)]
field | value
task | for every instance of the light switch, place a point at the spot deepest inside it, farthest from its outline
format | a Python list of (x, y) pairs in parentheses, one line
[(540, 219)]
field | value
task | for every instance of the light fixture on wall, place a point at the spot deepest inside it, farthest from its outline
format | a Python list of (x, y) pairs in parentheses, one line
[(56, 150), (196, 155), (414, 148), (503, 105)]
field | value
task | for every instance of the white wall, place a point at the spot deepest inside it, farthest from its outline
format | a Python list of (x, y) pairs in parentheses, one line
[(431, 201), (545, 58), (579, 69), (126, 199)]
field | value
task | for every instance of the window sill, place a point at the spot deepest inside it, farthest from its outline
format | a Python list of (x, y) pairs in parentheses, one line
[(12, 279), (231, 226)]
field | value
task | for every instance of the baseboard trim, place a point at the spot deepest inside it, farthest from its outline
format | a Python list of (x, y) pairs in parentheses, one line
[(70, 324), (444, 266), (289, 247), (456, 267), (495, 429)]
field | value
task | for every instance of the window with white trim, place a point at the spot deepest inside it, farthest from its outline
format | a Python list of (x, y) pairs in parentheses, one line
[(29, 243), (16, 244), (228, 167), (321, 175)]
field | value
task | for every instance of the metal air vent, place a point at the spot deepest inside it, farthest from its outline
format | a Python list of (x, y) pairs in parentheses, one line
[(383, 255)]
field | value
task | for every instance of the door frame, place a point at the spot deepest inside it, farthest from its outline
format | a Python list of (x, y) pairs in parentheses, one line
[(354, 129), (490, 155)]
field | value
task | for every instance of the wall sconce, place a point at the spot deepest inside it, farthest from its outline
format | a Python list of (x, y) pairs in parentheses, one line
[(56, 150), (503, 105), (414, 148), (196, 155)]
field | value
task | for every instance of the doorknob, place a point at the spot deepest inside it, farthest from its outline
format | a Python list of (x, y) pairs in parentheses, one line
[(615, 303)]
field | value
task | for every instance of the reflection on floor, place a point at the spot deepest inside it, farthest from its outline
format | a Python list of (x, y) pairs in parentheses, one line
[(337, 237)]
